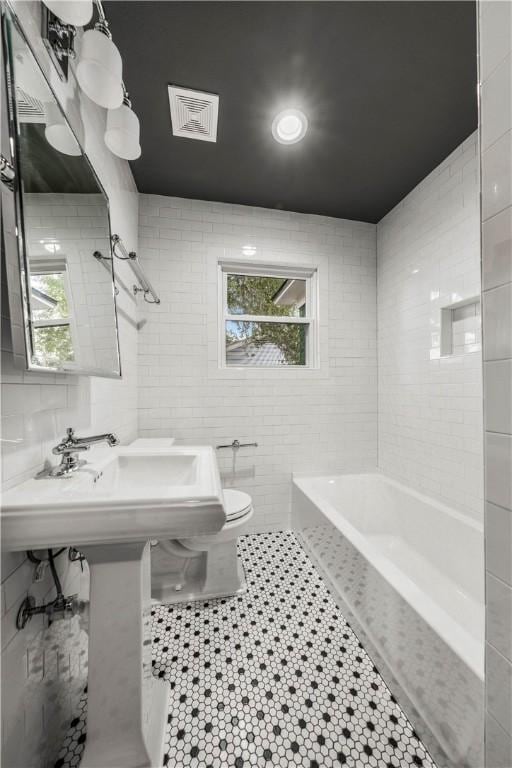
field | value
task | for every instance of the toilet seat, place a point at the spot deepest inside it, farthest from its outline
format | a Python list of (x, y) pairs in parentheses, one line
[(238, 510), (237, 504)]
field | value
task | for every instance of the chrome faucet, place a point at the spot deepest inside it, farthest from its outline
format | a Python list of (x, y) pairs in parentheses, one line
[(71, 446)]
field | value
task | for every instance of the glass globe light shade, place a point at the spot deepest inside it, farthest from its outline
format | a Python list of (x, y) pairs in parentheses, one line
[(100, 69), (75, 12), (58, 133), (123, 132)]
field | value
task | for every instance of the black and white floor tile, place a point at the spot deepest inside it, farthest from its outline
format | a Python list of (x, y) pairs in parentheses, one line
[(273, 677)]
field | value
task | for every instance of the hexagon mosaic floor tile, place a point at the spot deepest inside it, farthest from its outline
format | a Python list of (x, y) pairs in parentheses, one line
[(273, 677)]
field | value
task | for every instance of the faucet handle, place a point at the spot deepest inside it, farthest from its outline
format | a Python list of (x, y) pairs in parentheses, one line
[(66, 447), (68, 444)]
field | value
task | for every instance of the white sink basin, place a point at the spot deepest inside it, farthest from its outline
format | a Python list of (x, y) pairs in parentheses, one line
[(127, 495), (109, 509), (130, 472)]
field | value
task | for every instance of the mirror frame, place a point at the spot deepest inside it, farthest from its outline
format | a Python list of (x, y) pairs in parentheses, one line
[(19, 294)]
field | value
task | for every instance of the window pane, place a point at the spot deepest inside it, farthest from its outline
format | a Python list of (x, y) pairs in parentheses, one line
[(48, 296), (255, 295), (53, 345), (265, 344)]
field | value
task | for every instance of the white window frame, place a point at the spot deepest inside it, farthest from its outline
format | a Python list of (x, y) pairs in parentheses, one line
[(310, 319)]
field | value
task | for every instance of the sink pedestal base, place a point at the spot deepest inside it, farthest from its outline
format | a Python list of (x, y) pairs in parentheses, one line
[(127, 707)]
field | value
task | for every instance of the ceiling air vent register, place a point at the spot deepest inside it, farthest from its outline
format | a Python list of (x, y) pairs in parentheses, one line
[(30, 109), (194, 114)]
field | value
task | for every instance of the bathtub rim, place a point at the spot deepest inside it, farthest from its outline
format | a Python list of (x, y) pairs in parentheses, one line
[(462, 643)]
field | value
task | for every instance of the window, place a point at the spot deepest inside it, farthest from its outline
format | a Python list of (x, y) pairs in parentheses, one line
[(50, 311), (267, 317)]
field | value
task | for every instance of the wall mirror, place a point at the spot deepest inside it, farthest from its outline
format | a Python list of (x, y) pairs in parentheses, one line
[(64, 254)]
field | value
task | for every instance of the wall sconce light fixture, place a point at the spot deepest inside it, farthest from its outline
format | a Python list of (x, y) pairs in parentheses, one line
[(99, 70)]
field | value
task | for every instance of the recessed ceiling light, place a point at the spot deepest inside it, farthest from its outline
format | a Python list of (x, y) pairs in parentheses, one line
[(248, 250), (289, 126)]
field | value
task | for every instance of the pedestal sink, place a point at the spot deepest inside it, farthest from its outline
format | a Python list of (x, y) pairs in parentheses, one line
[(109, 510)]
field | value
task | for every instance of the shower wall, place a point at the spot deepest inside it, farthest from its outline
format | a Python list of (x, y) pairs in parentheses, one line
[(496, 158), (430, 399)]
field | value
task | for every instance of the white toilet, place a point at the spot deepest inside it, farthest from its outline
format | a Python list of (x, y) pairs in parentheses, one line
[(203, 566)]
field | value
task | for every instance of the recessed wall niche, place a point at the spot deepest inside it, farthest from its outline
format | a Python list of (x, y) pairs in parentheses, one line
[(461, 327)]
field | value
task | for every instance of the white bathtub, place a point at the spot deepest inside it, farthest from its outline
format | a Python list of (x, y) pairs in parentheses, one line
[(409, 572)]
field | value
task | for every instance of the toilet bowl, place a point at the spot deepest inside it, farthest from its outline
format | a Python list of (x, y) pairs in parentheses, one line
[(203, 566)]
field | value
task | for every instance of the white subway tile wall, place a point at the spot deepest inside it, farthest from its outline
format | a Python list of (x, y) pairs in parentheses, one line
[(497, 266), (430, 405), (496, 181), (44, 669), (498, 321), (316, 421), (498, 396), (495, 35)]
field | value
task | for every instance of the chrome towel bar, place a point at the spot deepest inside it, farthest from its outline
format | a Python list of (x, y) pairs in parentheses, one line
[(145, 286), (236, 444)]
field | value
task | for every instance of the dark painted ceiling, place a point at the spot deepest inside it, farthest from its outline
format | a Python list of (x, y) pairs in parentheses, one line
[(389, 89)]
